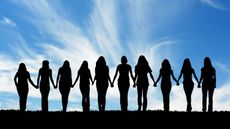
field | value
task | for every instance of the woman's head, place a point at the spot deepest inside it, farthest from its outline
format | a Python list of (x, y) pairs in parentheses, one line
[(187, 64), (45, 64), (66, 64), (124, 60), (101, 61), (165, 64), (142, 61), (22, 67), (84, 65), (207, 62)]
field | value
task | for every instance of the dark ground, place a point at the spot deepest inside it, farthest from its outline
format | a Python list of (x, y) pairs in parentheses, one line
[(114, 119)]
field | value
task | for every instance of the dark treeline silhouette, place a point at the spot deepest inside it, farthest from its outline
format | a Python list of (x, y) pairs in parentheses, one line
[(102, 78)]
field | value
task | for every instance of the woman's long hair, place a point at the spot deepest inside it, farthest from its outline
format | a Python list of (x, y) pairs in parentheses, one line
[(142, 62), (207, 62), (186, 65), (22, 68), (165, 64)]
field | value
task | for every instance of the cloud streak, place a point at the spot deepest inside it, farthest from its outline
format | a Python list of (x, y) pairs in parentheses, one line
[(214, 4), (103, 36), (8, 22)]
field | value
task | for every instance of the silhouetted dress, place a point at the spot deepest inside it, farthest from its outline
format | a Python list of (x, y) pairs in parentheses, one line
[(188, 85), (22, 87), (123, 84), (65, 84), (45, 87), (102, 84), (166, 84)]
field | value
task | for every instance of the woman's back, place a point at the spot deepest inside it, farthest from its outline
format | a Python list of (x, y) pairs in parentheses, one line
[(166, 73), (45, 74), (66, 77), (187, 74), (102, 73), (84, 76), (208, 75), (124, 71), (142, 71), (22, 78)]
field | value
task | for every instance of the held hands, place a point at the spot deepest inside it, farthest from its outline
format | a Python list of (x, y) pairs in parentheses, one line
[(111, 84), (198, 85), (134, 85), (177, 83), (35, 86), (93, 82)]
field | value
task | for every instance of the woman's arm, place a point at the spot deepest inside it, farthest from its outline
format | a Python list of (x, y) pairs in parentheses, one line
[(38, 80), (180, 76), (51, 78), (177, 83), (201, 79), (151, 75), (15, 79), (58, 77), (78, 75), (115, 76), (214, 78), (194, 74), (90, 77), (31, 82), (158, 79), (111, 84), (131, 73)]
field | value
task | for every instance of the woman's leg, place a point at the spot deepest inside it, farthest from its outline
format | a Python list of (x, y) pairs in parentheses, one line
[(139, 97), (145, 90), (204, 98)]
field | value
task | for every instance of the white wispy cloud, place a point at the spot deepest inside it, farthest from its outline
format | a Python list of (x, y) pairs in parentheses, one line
[(222, 67), (8, 22), (214, 4), (69, 41), (105, 32), (104, 27)]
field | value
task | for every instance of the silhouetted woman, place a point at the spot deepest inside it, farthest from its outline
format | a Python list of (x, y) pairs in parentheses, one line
[(64, 79), (187, 71), (102, 77), (21, 81), (208, 80), (166, 84), (141, 70), (85, 77), (123, 82), (44, 75)]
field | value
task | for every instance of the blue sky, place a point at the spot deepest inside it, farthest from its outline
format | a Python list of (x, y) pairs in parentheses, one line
[(31, 31)]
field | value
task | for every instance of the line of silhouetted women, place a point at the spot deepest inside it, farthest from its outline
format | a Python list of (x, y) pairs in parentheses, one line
[(102, 78)]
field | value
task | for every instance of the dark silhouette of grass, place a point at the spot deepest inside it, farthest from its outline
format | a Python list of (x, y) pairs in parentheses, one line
[(113, 119)]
